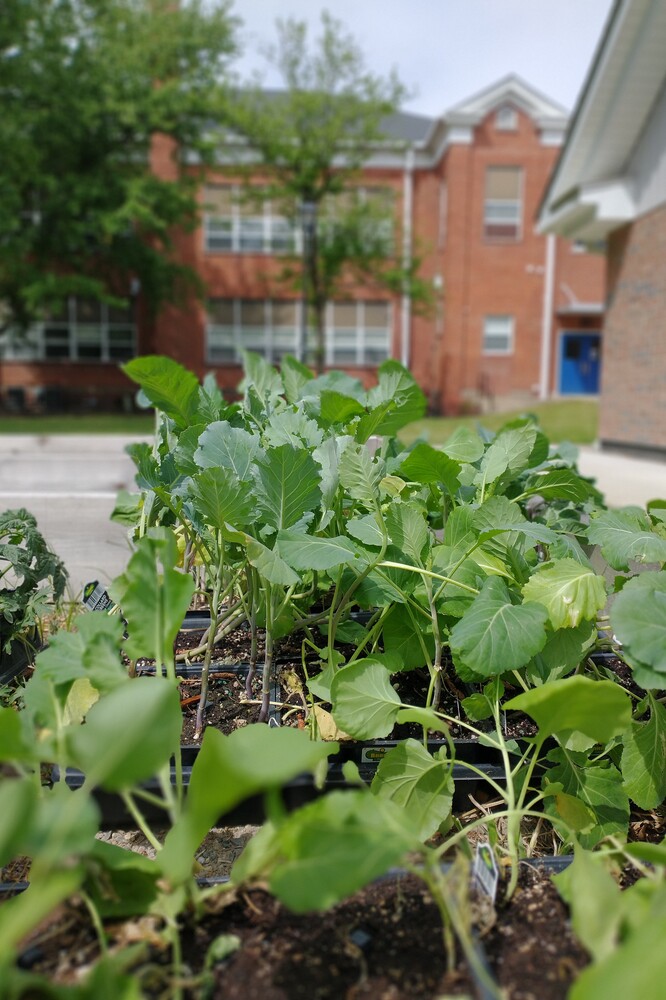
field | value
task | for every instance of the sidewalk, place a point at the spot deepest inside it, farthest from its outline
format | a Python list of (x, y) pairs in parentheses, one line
[(624, 479)]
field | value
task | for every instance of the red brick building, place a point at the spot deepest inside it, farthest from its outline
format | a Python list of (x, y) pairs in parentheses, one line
[(610, 185), (517, 315)]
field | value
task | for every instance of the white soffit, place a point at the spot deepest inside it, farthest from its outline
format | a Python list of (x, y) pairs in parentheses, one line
[(622, 87)]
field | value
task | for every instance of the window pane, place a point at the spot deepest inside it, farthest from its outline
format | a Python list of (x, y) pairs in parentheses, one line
[(498, 334), (252, 312), (503, 182), (251, 235), (376, 314), (121, 344), (344, 314), (88, 311), (221, 311), (218, 199), (120, 314)]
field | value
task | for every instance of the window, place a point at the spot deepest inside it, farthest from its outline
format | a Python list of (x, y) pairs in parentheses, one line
[(356, 333), (84, 330), (498, 335), (234, 222), (502, 214), (506, 119)]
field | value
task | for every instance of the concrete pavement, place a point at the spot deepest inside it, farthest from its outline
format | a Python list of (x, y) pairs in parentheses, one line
[(70, 482)]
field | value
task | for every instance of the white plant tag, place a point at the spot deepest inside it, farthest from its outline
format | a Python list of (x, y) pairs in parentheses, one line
[(485, 872)]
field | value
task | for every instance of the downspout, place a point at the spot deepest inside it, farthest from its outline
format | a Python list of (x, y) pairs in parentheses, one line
[(407, 208), (547, 317)]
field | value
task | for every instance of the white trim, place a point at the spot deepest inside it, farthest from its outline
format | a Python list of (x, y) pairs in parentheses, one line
[(547, 317)]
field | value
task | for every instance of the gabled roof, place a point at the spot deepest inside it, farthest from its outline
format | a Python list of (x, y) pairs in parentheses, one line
[(513, 90), (589, 193)]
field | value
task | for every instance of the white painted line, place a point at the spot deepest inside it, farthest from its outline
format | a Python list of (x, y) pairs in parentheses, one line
[(58, 495)]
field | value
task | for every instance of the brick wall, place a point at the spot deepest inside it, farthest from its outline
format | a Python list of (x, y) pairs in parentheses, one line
[(633, 391)]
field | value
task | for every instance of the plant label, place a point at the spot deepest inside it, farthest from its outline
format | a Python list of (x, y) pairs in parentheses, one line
[(485, 872), (95, 597)]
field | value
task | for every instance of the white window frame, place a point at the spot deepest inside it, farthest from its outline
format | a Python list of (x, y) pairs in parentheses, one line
[(507, 211), (272, 231), (33, 347), (498, 320), (506, 119)]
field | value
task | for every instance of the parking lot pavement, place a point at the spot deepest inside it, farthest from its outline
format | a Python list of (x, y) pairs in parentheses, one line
[(70, 483)]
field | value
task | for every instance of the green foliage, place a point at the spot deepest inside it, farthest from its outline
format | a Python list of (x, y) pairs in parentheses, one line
[(32, 577), (85, 89)]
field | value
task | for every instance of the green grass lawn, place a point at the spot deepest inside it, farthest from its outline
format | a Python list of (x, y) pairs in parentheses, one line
[(88, 423), (574, 421), (560, 420)]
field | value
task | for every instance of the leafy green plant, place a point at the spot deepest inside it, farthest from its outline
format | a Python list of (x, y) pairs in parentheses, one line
[(32, 579)]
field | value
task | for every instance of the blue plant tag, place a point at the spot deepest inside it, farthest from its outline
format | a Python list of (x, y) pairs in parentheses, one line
[(485, 872)]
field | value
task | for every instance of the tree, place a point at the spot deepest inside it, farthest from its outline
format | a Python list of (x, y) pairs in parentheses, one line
[(311, 141), (86, 88)]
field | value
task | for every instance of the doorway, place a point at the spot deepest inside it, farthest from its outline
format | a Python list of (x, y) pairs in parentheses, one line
[(580, 363)]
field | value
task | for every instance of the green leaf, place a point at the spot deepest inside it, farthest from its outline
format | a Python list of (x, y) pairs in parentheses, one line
[(154, 596), (599, 709), (418, 783), (366, 530), (598, 784), (409, 637), (571, 592), (129, 734), (170, 387), (425, 464), (509, 452), (335, 846), (260, 376), (302, 551), (464, 445), (234, 448), (292, 426), (395, 384), (15, 742), (287, 484), (594, 899), (408, 530), (228, 770), (638, 617), (121, 883), (494, 635), (634, 970), (222, 498), (644, 759), (560, 484), (563, 652), (626, 535), (364, 703), (295, 376), (268, 564), (18, 803), (336, 408), (360, 473)]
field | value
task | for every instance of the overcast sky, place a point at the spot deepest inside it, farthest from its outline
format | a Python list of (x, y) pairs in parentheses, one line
[(447, 50)]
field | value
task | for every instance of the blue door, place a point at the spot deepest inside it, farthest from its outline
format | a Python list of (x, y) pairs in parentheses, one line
[(580, 358)]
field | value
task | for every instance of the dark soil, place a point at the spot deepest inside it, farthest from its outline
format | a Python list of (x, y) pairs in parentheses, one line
[(384, 943)]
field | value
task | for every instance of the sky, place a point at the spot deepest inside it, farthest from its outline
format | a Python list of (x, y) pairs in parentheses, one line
[(446, 50)]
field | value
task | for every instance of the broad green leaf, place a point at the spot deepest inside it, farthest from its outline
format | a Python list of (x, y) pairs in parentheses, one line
[(15, 744), (599, 709), (302, 551), (80, 699), (170, 387), (228, 770), (365, 705), (598, 784), (20, 915), (335, 846), (261, 377), (374, 421), (268, 563), (626, 535), (366, 530), (644, 759), (417, 782), (360, 473), (494, 635), (93, 651), (409, 636), (571, 593), (185, 450), (18, 804), (295, 376), (560, 484), (234, 448), (636, 969), (638, 617), (425, 464), (396, 384), (221, 498), (129, 734), (509, 452), (594, 899), (337, 408), (292, 426), (327, 457), (64, 825), (287, 484), (563, 652), (127, 883), (464, 445), (154, 596), (408, 530)]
